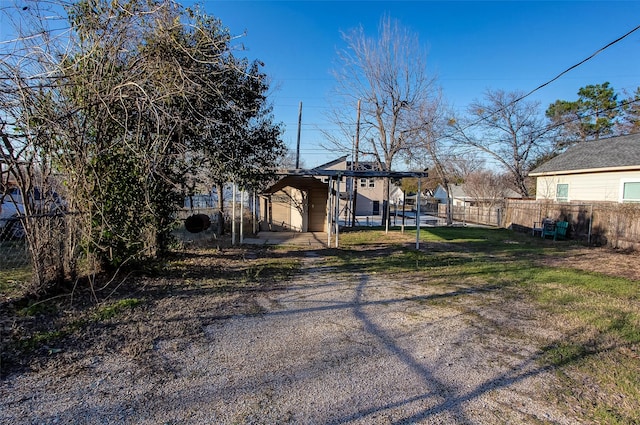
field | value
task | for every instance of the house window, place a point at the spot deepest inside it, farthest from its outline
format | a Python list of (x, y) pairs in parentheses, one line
[(562, 192), (367, 183), (631, 191)]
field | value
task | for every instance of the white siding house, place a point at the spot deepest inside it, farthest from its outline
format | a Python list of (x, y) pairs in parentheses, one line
[(602, 170), (458, 195)]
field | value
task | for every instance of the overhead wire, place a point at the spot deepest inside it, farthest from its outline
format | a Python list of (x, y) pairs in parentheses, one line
[(513, 102), (594, 54)]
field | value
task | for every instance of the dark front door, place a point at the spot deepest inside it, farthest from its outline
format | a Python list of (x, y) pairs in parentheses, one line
[(376, 207)]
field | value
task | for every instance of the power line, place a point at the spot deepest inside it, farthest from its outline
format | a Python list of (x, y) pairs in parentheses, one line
[(597, 52), (513, 102)]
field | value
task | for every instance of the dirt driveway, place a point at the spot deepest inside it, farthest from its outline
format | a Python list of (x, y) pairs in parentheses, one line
[(327, 348)]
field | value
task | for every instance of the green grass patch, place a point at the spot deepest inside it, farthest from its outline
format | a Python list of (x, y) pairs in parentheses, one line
[(275, 269), (39, 308), (109, 311), (13, 279), (564, 353), (588, 281), (40, 339), (608, 305)]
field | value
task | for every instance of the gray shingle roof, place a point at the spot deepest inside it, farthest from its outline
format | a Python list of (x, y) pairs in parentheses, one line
[(621, 151), (459, 191)]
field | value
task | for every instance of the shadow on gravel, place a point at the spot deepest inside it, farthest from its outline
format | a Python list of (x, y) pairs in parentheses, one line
[(451, 404)]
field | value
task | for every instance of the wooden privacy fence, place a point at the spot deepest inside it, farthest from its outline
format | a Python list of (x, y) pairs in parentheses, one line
[(598, 223), (490, 216)]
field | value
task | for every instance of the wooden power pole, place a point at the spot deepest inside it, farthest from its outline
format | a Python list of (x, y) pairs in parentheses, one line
[(298, 143), (354, 180)]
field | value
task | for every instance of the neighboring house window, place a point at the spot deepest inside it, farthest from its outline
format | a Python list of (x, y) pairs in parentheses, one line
[(562, 192), (631, 191), (367, 183)]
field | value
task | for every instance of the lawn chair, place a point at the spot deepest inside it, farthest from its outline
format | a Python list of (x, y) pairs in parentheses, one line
[(548, 228), (561, 230), (537, 228)]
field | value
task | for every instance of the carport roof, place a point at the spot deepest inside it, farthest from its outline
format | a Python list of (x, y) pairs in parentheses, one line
[(298, 182), (354, 173), (306, 179)]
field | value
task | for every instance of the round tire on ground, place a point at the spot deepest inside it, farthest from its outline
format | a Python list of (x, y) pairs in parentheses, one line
[(197, 223)]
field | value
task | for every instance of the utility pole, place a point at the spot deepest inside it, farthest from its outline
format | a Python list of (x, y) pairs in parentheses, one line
[(298, 143), (355, 168)]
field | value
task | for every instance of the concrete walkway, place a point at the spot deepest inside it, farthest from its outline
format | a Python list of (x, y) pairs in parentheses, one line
[(308, 239)]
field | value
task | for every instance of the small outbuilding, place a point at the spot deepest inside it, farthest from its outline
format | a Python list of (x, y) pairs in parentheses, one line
[(295, 203)]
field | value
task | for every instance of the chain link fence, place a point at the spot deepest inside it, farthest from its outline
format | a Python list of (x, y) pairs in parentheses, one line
[(38, 250), (193, 227), (16, 268), (14, 252)]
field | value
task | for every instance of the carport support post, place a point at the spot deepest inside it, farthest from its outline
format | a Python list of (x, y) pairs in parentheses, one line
[(418, 215), (337, 217), (329, 210)]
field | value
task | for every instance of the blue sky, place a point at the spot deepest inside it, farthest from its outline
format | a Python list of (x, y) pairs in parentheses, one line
[(472, 46)]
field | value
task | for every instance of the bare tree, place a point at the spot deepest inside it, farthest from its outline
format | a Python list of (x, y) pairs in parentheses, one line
[(486, 187), (430, 146), (388, 75), (509, 131), (288, 159)]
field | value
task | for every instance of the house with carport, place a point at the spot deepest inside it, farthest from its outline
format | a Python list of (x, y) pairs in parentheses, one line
[(315, 200), (368, 190)]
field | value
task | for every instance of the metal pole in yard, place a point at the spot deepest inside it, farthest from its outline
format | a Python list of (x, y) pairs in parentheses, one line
[(387, 208), (354, 166), (254, 211), (418, 215), (329, 209), (404, 207), (233, 213), (590, 224), (242, 192), (337, 217)]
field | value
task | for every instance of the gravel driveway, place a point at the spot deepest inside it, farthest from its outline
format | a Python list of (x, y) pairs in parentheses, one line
[(327, 349)]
